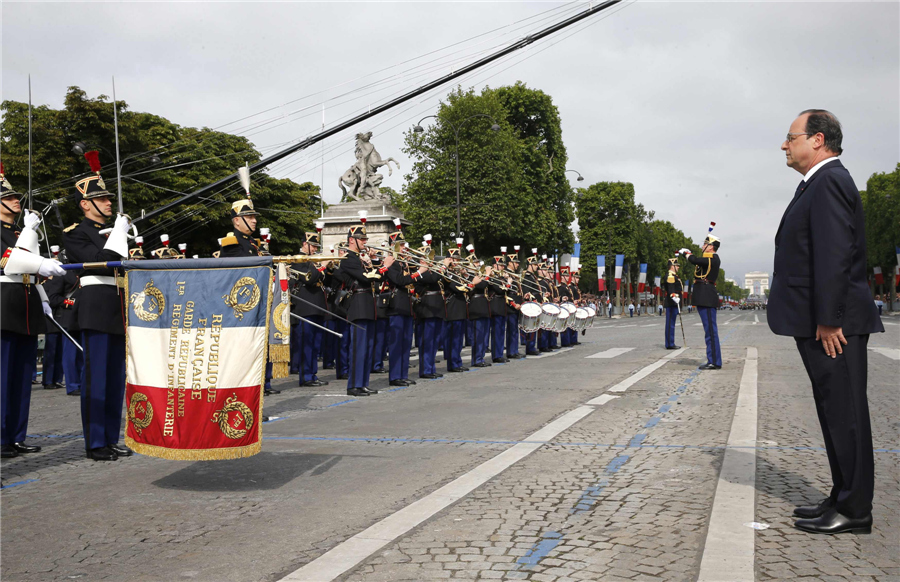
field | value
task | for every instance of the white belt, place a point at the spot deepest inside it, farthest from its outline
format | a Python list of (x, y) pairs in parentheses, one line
[(87, 280), (26, 279)]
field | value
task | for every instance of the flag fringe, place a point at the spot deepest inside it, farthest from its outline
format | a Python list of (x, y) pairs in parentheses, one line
[(219, 454)]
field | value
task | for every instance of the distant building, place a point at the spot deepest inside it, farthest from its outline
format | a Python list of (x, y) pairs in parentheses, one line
[(757, 282)]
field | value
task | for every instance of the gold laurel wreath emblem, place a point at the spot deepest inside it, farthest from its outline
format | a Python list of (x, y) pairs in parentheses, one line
[(157, 303), (232, 404), (244, 286), (139, 403), (280, 319)]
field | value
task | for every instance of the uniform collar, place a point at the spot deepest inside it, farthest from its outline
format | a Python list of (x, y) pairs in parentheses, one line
[(708, 255), (8, 225), (94, 223)]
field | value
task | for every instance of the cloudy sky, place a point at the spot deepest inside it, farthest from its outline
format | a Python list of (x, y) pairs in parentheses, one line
[(689, 101)]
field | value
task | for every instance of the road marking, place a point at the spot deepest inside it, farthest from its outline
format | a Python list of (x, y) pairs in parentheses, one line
[(650, 325), (730, 320), (889, 323), (892, 353), (729, 550), (698, 324), (629, 325), (755, 319), (350, 553), (548, 354), (610, 353)]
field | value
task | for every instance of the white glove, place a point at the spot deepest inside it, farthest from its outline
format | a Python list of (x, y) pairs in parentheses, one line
[(684, 252), (31, 219), (118, 238), (677, 300), (51, 268), (48, 311)]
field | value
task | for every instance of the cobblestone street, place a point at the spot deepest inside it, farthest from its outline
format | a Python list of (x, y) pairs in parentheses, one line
[(555, 468)]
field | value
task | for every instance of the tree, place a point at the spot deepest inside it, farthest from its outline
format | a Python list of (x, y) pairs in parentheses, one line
[(881, 202), (189, 158)]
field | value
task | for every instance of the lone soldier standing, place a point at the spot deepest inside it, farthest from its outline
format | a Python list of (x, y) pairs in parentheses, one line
[(673, 287), (100, 315), (706, 298)]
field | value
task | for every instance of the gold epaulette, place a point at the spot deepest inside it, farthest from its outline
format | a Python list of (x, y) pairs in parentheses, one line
[(670, 279), (68, 228), (229, 240)]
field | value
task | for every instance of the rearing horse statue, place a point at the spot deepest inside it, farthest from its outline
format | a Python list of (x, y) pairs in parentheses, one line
[(362, 178)]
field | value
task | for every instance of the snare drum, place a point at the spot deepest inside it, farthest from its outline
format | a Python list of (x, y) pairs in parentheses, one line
[(581, 318), (592, 313), (570, 309), (561, 320), (549, 315), (530, 320)]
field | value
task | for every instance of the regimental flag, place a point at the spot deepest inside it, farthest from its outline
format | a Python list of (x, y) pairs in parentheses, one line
[(280, 328), (196, 356), (601, 273), (656, 283), (642, 278), (619, 260), (879, 276)]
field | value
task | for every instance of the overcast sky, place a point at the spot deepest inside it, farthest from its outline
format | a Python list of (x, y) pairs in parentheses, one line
[(689, 101)]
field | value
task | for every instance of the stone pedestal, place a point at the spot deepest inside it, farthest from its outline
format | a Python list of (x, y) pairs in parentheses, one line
[(379, 223)]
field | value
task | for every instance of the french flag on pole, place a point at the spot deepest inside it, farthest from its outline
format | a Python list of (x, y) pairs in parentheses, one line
[(601, 272), (879, 276), (620, 259), (642, 278), (656, 282)]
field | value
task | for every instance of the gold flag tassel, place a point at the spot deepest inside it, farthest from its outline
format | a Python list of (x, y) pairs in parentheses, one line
[(280, 347)]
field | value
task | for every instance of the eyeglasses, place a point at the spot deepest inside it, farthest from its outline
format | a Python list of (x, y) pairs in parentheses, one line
[(790, 136)]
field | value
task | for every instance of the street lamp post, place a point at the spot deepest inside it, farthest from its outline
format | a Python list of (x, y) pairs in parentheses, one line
[(456, 127)]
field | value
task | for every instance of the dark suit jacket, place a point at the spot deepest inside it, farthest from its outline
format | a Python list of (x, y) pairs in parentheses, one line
[(820, 260)]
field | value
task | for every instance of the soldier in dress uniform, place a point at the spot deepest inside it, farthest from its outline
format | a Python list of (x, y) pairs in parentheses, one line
[(577, 299), (565, 295), (516, 297), (359, 279), (673, 287), (60, 293), (380, 345), (457, 317), (431, 311), (400, 311), (52, 368), (499, 309), (306, 339), (479, 313), (23, 304), (100, 315), (706, 298), (532, 285), (342, 349)]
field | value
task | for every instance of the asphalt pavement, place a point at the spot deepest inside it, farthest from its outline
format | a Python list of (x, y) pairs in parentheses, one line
[(612, 460)]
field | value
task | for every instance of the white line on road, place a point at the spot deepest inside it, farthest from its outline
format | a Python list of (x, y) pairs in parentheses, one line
[(728, 553), (629, 325), (755, 319), (892, 353), (350, 553), (610, 353), (730, 320), (650, 325)]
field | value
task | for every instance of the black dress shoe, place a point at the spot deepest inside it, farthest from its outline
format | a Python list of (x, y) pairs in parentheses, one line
[(271, 391), (709, 367), (331, 367), (400, 382), (55, 386), (102, 454), (813, 511), (24, 449), (519, 357), (430, 376), (543, 350), (74, 393), (673, 348), (121, 450), (315, 383), (8, 452), (456, 370), (357, 392), (342, 376), (381, 371), (500, 361), (832, 522), (369, 391), (533, 353), (481, 365)]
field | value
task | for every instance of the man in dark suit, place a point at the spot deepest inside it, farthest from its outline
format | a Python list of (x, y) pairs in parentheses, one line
[(820, 297)]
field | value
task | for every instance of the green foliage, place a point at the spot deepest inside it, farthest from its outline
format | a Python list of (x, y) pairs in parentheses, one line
[(190, 158), (512, 182), (881, 201)]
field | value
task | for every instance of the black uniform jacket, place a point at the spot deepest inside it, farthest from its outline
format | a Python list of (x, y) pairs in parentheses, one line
[(238, 244), (309, 285), (672, 284), (497, 291), (516, 293), (478, 303), (531, 285), (20, 304), (706, 272), (820, 260), (399, 277), (97, 307), (431, 298), (361, 304), (457, 300)]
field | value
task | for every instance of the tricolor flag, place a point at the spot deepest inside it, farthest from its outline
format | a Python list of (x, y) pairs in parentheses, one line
[(195, 365), (656, 282), (879, 277), (620, 259), (642, 278), (601, 272)]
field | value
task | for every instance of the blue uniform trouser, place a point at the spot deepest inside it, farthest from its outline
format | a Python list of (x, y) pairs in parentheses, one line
[(102, 388), (268, 383), (18, 362), (543, 339), (400, 334), (295, 348), (512, 334), (362, 345), (380, 346), (498, 336), (455, 331), (342, 360), (532, 341), (480, 329), (329, 345), (310, 338), (711, 330), (470, 332), (671, 316), (73, 365), (52, 360), (420, 327), (432, 336), (551, 341), (564, 338)]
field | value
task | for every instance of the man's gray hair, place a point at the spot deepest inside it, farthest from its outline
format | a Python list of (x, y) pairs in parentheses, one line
[(824, 122)]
